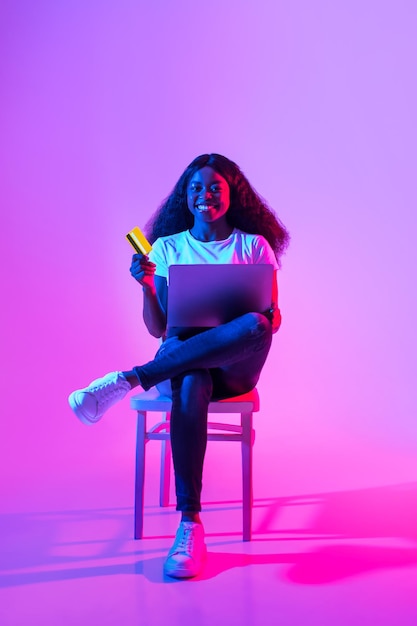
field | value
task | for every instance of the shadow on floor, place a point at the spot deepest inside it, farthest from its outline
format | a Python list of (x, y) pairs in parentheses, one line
[(389, 511), (58, 545)]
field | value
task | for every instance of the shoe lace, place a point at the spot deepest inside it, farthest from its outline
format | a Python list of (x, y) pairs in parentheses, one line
[(186, 540), (108, 391)]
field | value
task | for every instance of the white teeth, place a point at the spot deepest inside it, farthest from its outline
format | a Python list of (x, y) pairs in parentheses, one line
[(204, 207)]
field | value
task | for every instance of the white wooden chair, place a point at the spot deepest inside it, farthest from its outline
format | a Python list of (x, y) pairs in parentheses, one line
[(152, 401)]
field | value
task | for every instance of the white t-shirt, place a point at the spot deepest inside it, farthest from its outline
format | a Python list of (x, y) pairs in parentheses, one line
[(182, 248)]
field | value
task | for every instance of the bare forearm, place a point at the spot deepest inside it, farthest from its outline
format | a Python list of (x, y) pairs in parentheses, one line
[(154, 294), (154, 314)]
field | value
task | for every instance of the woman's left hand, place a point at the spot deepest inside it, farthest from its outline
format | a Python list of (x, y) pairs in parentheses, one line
[(274, 316), (275, 319)]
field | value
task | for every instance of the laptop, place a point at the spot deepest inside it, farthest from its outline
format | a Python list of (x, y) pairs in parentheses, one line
[(208, 295)]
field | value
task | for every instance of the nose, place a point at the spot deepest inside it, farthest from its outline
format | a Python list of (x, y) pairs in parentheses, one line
[(206, 193)]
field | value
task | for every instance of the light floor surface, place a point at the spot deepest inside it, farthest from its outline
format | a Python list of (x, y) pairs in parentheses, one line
[(341, 558)]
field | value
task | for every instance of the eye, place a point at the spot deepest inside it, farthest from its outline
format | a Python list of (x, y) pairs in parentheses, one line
[(195, 187), (215, 188)]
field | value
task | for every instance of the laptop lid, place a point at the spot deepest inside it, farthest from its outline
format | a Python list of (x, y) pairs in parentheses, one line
[(209, 294)]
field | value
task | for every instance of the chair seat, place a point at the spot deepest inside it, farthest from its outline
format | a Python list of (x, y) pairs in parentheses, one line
[(152, 400)]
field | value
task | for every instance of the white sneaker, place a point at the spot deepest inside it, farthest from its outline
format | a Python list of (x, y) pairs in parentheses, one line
[(90, 404), (188, 554)]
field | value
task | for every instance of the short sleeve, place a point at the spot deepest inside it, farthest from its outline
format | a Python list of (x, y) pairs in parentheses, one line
[(263, 253), (158, 256)]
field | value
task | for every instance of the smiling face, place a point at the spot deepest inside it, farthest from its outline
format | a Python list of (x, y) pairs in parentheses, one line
[(208, 195)]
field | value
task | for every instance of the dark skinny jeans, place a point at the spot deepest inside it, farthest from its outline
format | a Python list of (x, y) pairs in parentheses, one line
[(218, 363)]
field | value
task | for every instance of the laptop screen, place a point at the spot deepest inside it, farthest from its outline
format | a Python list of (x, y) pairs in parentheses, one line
[(207, 295)]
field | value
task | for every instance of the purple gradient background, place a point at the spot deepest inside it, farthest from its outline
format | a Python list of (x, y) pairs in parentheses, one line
[(103, 104)]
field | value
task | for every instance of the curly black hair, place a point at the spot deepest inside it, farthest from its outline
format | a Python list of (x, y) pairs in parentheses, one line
[(247, 211)]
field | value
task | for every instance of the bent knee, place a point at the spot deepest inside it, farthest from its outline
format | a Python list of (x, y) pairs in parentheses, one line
[(259, 323)]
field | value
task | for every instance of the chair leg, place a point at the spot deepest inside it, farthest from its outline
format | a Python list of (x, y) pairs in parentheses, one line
[(140, 475), (247, 475), (165, 469)]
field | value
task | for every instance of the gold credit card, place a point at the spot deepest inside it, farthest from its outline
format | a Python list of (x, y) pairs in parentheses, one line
[(138, 241)]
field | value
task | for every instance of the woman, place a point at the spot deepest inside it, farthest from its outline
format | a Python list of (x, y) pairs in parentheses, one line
[(213, 215)]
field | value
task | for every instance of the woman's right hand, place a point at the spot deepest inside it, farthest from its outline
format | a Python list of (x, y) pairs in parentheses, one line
[(143, 270)]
